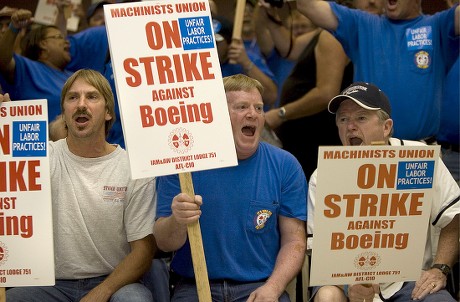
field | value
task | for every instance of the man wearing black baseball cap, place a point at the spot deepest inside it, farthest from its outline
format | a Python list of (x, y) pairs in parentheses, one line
[(363, 117), (365, 95)]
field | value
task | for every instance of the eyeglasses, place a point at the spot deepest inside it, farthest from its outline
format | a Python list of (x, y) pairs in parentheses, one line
[(57, 36)]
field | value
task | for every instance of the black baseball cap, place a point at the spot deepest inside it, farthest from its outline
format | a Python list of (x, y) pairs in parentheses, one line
[(365, 95)]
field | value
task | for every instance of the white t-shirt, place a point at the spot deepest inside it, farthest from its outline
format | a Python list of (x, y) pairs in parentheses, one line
[(97, 210)]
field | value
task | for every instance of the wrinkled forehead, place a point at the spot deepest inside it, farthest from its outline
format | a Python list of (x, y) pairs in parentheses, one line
[(249, 96)]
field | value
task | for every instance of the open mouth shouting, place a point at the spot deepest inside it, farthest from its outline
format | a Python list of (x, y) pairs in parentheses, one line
[(81, 118), (355, 141), (248, 130)]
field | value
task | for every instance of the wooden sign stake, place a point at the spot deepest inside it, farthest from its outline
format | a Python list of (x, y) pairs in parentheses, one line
[(238, 21), (196, 245)]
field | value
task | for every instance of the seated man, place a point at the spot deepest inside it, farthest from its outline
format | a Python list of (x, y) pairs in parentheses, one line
[(252, 215), (363, 116), (103, 241)]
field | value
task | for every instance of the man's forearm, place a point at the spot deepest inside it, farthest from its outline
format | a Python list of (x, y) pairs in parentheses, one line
[(288, 264), (7, 49), (169, 235), (132, 267), (447, 252), (319, 12)]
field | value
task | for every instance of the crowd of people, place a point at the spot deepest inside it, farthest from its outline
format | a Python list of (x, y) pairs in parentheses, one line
[(310, 78)]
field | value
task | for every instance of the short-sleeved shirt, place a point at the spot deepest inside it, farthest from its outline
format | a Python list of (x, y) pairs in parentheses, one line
[(404, 58), (97, 211), (239, 221)]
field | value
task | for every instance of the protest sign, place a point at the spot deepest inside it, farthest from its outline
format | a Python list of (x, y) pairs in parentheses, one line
[(371, 213), (26, 231), (171, 97), (46, 13), (169, 87)]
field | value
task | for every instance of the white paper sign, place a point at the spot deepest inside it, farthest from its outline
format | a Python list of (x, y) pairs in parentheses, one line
[(46, 13), (169, 86), (26, 230), (371, 213)]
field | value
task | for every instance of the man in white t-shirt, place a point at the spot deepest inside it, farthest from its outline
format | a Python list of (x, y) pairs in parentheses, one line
[(102, 219)]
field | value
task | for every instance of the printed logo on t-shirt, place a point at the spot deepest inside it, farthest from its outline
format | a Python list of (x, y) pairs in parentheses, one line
[(261, 218), (419, 38), (422, 59), (114, 194)]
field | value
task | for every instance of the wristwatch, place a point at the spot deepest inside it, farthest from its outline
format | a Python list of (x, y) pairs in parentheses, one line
[(282, 113), (444, 268)]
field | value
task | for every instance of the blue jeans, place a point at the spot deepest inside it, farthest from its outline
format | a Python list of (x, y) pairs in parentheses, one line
[(404, 294), (157, 280), (228, 291), (74, 290)]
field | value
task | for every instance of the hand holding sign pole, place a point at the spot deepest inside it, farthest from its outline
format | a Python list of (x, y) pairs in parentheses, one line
[(170, 89), (196, 245)]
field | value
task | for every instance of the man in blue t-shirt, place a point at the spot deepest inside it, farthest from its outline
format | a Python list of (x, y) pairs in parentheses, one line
[(403, 52), (252, 216)]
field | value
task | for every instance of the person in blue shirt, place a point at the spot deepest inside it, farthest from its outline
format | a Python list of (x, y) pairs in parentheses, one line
[(252, 215), (48, 60), (243, 56), (449, 130), (40, 72), (402, 51)]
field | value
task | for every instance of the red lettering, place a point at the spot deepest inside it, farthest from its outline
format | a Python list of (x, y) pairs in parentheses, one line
[(14, 172), (329, 201), (147, 62), (169, 31), (206, 65), (135, 80), (164, 69), (146, 116), (5, 139)]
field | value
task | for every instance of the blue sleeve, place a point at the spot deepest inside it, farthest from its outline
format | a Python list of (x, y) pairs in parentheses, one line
[(89, 49), (294, 190), (262, 65), (348, 23), (167, 188), (449, 40)]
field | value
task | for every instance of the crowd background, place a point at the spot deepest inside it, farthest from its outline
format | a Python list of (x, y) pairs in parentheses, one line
[(226, 7)]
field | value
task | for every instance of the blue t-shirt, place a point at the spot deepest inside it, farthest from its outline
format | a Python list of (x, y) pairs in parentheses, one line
[(89, 49), (449, 131), (36, 80), (239, 223), (404, 58)]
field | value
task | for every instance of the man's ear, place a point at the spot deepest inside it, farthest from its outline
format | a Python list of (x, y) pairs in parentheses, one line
[(108, 116), (388, 126)]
